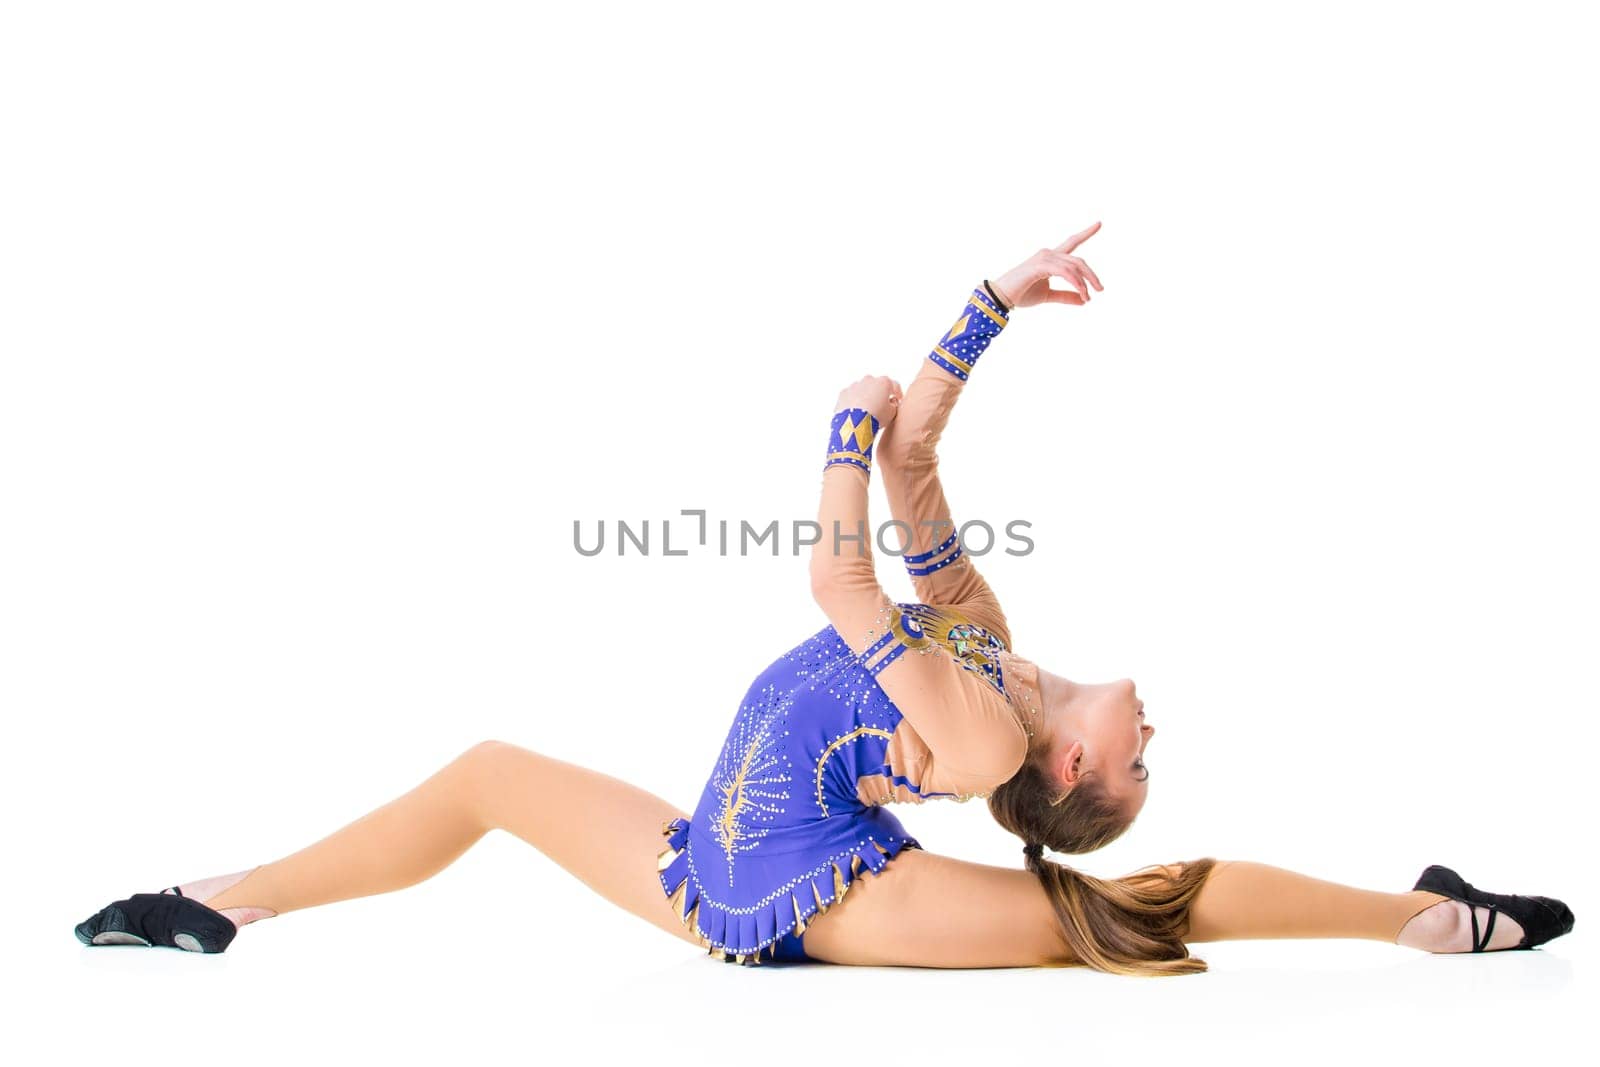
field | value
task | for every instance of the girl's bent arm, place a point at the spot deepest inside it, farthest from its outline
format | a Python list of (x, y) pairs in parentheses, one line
[(967, 725)]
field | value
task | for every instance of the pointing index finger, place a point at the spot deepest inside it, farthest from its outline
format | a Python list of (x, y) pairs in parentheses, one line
[(1078, 238)]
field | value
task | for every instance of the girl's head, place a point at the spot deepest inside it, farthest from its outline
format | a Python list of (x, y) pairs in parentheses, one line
[(1080, 788), (1084, 779), (1092, 743)]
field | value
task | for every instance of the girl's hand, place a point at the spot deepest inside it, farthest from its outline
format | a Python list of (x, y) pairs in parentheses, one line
[(1029, 281), (880, 396)]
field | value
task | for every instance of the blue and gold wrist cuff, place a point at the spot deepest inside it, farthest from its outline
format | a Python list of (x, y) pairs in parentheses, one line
[(981, 321), (917, 565), (850, 439)]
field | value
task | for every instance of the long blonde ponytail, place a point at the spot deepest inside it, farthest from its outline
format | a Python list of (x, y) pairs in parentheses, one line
[(1130, 925)]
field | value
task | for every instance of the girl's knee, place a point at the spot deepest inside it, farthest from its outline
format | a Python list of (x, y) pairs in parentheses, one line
[(478, 779), (492, 752), (488, 761)]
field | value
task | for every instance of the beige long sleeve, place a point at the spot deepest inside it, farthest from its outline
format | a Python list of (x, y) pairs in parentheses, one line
[(909, 466), (963, 724)]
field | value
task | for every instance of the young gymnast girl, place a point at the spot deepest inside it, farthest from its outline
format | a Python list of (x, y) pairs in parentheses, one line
[(791, 852)]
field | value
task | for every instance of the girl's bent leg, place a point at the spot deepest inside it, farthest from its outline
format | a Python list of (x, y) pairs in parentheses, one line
[(602, 830)]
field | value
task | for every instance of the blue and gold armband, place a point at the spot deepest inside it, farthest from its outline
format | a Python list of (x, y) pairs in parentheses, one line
[(919, 564), (850, 439), (926, 629), (981, 321)]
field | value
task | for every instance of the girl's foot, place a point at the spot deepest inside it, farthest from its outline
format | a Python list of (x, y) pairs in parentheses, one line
[(1472, 920), (177, 917), (1447, 927), (158, 919)]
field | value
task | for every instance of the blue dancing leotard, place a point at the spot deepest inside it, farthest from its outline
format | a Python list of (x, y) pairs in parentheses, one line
[(793, 811)]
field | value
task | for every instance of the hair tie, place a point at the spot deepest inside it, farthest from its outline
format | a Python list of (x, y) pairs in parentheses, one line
[(1033, 850)]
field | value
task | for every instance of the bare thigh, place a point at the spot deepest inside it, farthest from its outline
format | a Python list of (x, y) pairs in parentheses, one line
[(601, 829), (926, 910)]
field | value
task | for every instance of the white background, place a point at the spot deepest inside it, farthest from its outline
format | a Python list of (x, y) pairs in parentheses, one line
[(322, 323)]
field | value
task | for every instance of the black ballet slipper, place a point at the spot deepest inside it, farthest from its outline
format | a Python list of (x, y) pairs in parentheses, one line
[(168, 919), (1541, 918)]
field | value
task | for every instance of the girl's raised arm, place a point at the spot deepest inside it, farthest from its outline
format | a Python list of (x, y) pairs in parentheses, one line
[(941, 572)]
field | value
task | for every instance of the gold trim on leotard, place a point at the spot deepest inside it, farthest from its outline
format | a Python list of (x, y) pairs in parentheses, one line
[(803, 919), (863, 731)]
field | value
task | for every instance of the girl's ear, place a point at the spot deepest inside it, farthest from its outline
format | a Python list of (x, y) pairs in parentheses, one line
[(1067, 766)]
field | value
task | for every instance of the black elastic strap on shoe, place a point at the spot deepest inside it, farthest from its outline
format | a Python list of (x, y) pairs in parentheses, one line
[(1488, 928)]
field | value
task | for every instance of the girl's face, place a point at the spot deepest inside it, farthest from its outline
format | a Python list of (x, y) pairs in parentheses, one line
[(1109, 739)]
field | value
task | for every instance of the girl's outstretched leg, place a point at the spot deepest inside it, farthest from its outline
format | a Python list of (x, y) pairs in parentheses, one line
[(926, 910), (1245, 901), (602, 830)]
